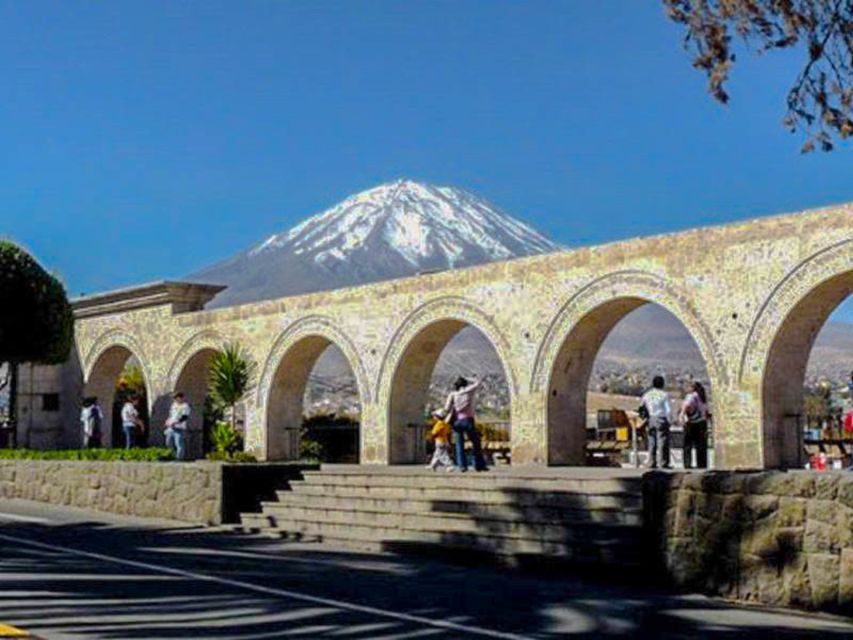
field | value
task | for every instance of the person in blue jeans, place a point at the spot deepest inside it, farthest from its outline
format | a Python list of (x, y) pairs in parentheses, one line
[(176, 426), (130, 421), (459, 408)]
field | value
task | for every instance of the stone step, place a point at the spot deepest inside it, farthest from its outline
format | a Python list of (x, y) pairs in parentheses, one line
[(477, 481), (374, 537), (452, 522), (482, 509), (521, 497)]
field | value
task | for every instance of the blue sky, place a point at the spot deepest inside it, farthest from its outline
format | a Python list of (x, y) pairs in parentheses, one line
[(145, 140)]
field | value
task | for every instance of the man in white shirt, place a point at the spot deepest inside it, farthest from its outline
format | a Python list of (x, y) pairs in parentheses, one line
[(659, 409), (130, 421), (176, 426)]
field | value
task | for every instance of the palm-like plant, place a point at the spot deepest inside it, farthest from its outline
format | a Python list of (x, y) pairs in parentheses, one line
[(232, 377)]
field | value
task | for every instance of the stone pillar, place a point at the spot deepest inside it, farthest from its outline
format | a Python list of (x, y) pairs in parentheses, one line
[(373, 435), (529, 437), (737, 430)]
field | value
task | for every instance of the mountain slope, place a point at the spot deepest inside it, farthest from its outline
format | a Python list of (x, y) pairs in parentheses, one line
[(394, 230)]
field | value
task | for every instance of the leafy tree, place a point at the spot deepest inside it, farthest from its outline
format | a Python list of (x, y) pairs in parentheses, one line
[(36, 324), (232, 377), (132, 381), (820, 101)]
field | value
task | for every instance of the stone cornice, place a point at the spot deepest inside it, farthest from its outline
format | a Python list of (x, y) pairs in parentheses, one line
[(182, 296)]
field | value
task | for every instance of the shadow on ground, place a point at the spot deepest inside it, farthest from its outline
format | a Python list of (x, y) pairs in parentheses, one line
[(55, 594)]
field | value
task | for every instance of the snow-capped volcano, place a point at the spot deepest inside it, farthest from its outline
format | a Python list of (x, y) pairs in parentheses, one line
[(393, 230)]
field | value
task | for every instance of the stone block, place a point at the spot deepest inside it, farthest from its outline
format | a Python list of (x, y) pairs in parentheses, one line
[(844, 525), (826, 486), (824, 578), (762, 541), (792, 512), (845, 582), (845, 490), (795, 581), (820, 537), (760, 507), (822, 510), (734, 509), (771, 482)]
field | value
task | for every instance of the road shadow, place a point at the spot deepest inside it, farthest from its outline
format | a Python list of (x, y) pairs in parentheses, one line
[(55, 594)]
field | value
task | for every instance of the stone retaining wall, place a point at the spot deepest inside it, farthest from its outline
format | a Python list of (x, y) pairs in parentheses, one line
[(197, 492), (777, 538)]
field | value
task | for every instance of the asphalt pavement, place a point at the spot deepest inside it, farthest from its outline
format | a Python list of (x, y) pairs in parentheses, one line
[(69, 573)]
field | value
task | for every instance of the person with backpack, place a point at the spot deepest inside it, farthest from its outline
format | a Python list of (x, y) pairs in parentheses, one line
[(694, 417), (176, 426), (659, 410), (459, 412)]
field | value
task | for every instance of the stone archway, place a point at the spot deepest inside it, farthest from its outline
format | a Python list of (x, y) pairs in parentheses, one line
[(568, 352), (189, 374), (102, 368), (777, 350), (408, 366), (281, 391)]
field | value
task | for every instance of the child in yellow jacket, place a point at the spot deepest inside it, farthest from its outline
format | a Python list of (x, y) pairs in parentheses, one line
[(440, 434)]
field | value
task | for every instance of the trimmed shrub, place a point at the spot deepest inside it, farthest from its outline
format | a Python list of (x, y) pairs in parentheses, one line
[(101, 455), (237, 456)]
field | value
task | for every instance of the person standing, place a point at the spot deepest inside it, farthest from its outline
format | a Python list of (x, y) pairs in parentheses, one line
[(694, 417), (176, 426), (459, 411), (659, 409), (91, 420), (130, 421)]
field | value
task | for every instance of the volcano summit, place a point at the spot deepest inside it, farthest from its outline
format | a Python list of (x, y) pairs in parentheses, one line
[(394, 230)]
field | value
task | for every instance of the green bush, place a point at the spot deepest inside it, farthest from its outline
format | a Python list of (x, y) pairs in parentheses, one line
[(224, 438), (237, 456), (310, 450), (104, 455)]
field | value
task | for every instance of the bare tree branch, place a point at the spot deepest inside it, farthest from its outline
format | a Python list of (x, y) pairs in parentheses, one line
[(820, 101)]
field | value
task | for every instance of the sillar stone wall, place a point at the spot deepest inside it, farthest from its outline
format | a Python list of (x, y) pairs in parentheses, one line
[(186, 492), (202, 493), (782, 539)]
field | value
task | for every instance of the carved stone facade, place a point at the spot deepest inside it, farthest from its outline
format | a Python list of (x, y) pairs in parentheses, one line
[(751, 294)]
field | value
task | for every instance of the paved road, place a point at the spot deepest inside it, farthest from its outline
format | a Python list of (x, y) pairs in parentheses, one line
[(74, 574)]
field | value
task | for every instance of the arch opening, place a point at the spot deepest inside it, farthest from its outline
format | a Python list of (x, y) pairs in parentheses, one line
[(314, 407), (433, 359), (116, 375), (804, 389), (604, 365), (193, 382)]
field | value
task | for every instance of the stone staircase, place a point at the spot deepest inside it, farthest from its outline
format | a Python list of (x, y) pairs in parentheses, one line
[(581, 516)]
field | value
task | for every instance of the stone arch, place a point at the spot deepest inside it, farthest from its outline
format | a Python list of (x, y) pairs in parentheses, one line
[(285, 375), (189, 374), (115, 338), (102, 366), (567, 354), (779, 342), (202, 341), (408, 364)]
